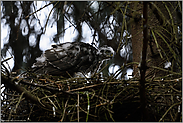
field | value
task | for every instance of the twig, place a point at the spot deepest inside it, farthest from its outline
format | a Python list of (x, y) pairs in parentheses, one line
[(39, 9), (64, 110), (165, 70), (169, 110), (86, 112), (175, 89), (78, 107), (88, 107), (49, 100), (85, 87), (18, 101)]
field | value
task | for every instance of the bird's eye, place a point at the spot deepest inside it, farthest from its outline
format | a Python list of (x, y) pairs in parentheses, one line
[(102, 51), (108, 52)]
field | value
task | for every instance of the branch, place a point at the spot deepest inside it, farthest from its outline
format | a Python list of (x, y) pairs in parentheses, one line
[(143, 63), (10, 84)]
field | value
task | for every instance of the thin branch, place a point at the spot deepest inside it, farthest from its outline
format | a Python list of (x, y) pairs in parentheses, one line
[(143, 62)]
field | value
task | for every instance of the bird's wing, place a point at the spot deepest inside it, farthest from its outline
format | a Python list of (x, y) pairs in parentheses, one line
[(72, 57), (63, 56)]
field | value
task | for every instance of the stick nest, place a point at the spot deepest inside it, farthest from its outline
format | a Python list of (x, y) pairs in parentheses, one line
[(53, 98)]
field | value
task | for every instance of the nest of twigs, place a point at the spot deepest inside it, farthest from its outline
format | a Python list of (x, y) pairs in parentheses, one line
[(54, 98)]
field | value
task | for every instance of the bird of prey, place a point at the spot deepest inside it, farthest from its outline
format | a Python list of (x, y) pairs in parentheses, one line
[(68, 58)]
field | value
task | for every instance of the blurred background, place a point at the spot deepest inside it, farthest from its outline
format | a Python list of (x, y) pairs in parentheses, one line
[(29, 28)]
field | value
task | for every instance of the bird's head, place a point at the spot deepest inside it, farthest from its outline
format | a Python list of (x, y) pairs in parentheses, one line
[(106, 52)]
